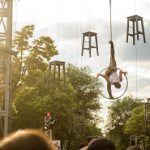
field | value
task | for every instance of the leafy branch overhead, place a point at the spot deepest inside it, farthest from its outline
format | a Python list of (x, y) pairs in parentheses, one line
[(32, 96), (33, 54)]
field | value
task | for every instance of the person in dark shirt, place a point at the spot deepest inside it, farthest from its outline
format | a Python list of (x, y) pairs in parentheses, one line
[(101, 144)]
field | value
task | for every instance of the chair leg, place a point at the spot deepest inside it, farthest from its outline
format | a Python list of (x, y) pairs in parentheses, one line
[(83, 45), (90, 45), (143, 31), (96, 45), (127, 31), (137, 28)]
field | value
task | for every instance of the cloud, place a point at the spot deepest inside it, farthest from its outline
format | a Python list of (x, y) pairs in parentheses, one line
[(140, 52), (129, 52), (71, 32), (66, 28)]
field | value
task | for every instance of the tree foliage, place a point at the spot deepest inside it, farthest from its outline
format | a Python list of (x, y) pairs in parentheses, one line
[(85, 88), (135, 124), (119, 113), (33, 55), (32, 96), (86, 98)]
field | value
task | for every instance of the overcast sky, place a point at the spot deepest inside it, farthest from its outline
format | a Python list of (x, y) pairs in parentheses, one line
[(66, 20)]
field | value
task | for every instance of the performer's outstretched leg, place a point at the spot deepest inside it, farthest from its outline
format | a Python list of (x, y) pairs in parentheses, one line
[(112, 64), (109, 90)]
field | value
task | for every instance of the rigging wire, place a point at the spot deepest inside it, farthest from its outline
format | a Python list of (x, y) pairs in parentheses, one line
[(76, 47), (136, 82), (15, 17), (58, 28), (136, 60), (89, 25), (135, 6), (81, 26), (110, 20), (76, 41)]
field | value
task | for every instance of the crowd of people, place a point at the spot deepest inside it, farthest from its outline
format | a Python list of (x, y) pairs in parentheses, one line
[(36, 140), (26, 140), (105, 144)]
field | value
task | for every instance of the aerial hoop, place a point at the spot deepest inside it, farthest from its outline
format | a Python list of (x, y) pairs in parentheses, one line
[(125, 79)]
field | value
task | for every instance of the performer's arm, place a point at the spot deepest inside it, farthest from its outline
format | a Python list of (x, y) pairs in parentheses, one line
[(121, 73), (104, 76)]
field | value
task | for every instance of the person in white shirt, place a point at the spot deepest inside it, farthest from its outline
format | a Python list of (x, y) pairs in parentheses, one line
[(111, 75)]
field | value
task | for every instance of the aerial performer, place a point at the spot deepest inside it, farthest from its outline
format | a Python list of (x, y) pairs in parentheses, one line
[(111, 76)]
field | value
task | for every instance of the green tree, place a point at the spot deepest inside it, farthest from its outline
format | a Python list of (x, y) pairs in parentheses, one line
[(32, 102), (119, 113), (33, 56), (29, 75), (32, 96), (86, 98), (86, 88), (135, 124)]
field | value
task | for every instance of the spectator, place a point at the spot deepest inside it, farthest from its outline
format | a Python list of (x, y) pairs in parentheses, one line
[(26, 140), (134, 147), (82, 146), (101, 144)]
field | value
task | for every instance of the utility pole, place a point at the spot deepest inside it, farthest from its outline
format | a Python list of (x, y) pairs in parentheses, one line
[(5, 64)]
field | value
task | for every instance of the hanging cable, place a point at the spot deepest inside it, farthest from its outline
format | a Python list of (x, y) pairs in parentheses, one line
[(58, 27), (135, 6), (15, 16), (81, 26), (136, 82), (76, 47), (88, 18), (136, 70), (110, 20)]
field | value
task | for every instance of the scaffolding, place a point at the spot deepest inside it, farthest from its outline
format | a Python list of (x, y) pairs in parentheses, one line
[(5, 64)]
